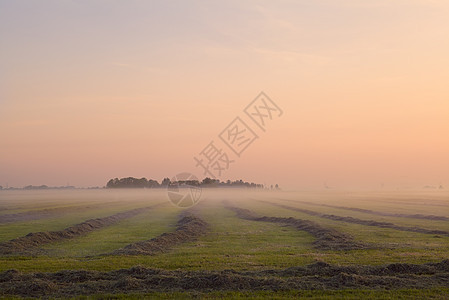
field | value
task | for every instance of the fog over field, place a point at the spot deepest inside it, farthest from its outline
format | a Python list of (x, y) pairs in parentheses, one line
[(308, 240), (224, 149), (134, 88)]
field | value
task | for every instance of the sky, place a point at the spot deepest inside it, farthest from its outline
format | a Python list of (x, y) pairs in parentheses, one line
[(93, 90)]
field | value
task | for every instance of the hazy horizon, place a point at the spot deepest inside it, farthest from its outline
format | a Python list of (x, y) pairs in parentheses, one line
[(95, 90)]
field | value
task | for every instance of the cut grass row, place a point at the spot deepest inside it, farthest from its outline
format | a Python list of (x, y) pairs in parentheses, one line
[(241, 245), (319, 276), (367, 233), (32, 242), (326, 209), (57, 222), (27, 201), (365, 222), (325, 238), (429, 203), (230, 243), (348, 294), (141, 227), (406, 244), (15, 230)]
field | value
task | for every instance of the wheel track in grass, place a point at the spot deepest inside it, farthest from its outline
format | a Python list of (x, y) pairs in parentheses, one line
[(361, 221), (326, 238), (317, 276), (30, 243)]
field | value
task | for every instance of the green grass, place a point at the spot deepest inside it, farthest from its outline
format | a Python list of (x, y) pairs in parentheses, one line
[(306, 294), (99, 207), (440, 293), (233, 243), (404, 246), (429, 224), (141, 227), (13, 230)]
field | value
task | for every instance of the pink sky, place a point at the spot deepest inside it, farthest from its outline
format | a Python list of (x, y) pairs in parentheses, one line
[(92, 90)]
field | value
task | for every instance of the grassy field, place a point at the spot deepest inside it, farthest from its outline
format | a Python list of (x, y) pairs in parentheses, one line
[(231, 242)]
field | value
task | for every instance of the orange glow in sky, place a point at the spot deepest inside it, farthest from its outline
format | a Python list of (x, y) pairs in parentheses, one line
[(91, 90)]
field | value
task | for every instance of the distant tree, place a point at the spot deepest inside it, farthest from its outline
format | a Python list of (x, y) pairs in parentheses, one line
[(152, 184), (131, 182), (32, 187), (192, 182), (165, 182), (112, 183), (207, 181)]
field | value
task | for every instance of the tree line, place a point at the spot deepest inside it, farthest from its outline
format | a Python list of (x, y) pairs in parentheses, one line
[(131, 182)]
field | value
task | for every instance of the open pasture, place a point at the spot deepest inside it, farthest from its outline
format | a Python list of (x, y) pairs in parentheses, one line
[(272, 244)]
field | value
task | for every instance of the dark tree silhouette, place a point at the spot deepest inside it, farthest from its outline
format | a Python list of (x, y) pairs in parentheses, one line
[(165, 182), (131, 182)]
